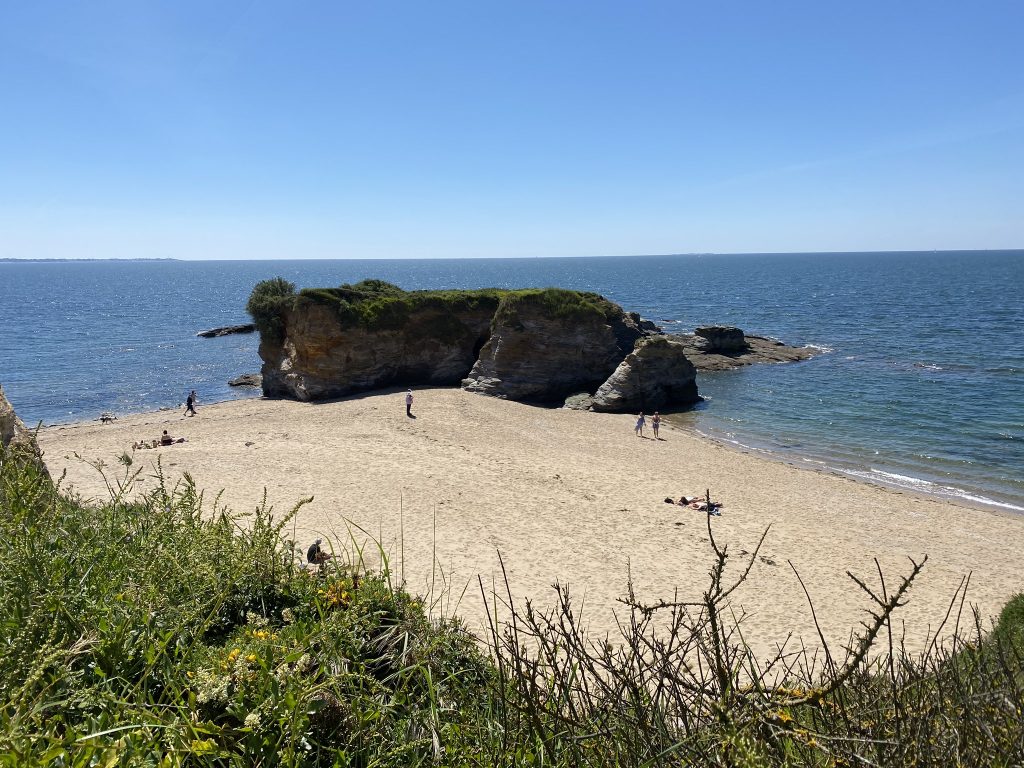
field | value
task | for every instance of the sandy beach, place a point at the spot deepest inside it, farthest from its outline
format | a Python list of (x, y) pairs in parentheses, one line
[(564, 496)]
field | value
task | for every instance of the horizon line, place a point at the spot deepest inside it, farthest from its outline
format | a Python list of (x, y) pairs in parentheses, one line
[(60, 259)]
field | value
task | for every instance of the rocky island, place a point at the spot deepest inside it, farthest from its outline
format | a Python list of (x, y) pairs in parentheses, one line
[(530, 345)]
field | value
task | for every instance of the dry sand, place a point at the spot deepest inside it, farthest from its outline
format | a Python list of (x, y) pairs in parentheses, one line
[(565, 496)]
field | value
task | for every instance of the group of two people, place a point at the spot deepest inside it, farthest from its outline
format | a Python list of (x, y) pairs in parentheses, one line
[(641, 422)]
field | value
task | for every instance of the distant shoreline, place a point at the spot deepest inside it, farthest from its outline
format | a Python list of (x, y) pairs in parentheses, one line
[(65, 261)]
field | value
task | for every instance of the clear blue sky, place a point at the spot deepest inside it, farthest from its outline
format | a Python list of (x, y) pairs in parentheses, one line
[(198, 129)]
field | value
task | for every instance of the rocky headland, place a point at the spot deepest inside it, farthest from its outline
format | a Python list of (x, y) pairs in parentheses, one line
[(531, 345)]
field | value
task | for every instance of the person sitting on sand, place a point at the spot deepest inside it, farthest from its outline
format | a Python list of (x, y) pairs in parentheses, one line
[(316, 555), (166, 439)]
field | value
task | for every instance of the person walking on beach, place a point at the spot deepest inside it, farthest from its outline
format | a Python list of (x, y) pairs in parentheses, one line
[(190, 404), (655, 423), (641, 422), (408, 403)]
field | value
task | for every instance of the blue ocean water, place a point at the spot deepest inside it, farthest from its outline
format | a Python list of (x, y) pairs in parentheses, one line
[(920, 382)]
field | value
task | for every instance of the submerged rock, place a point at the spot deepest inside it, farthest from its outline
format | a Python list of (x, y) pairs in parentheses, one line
[(227, 330)]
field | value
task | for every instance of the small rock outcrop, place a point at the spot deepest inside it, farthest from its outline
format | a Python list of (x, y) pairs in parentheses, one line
[(545, 345), (721, 339), (14, 437), (247, 380), (227, 330), (719, 348), (657, 374)]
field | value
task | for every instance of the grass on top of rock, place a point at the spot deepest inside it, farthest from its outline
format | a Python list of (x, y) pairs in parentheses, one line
[(165, 631), (557, 303), (379, 305)]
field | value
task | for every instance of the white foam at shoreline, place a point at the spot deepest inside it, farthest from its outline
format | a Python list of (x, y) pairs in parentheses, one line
[(876, 476), (926, 486)]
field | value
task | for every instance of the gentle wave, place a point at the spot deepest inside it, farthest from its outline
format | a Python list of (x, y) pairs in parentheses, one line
[(925, 486), (872, 475)]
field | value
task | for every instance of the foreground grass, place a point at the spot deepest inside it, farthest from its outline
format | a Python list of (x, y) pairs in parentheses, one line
[(168, 632)]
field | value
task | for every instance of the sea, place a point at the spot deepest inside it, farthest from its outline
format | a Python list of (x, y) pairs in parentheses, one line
[(918, 382)]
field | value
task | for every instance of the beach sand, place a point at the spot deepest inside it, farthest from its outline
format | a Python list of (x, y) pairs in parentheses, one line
[(564, 496)]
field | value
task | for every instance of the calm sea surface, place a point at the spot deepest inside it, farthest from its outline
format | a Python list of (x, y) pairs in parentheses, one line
[(920, 384)]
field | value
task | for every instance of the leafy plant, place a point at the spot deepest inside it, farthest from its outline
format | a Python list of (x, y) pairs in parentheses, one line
[(266, 305)]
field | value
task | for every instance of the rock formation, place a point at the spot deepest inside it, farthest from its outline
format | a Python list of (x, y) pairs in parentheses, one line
[(721, 339), (539, 354), (323, 355), (529, 345), (720, 347), (227, 330), (247, 380), (14, 437), (654, 376)]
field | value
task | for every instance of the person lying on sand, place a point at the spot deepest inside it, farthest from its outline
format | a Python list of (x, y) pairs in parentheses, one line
[(697, 502)]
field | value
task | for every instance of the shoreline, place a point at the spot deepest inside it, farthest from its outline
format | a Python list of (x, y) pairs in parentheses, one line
[(860, 475), (963, 498), (565, 496)]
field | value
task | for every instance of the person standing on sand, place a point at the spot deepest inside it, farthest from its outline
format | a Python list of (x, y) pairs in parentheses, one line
[(190, 404), (641, 422), (408, 403), (655, 423)]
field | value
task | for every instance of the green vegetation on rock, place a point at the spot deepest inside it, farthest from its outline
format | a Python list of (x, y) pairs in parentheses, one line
[(267, 303), (379, 305), (557, 303)]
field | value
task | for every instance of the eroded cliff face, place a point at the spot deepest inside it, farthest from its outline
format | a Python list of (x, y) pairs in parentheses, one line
[(320, 357), (536, 355)]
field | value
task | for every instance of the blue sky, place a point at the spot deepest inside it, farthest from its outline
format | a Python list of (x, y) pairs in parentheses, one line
[(412, 129)]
